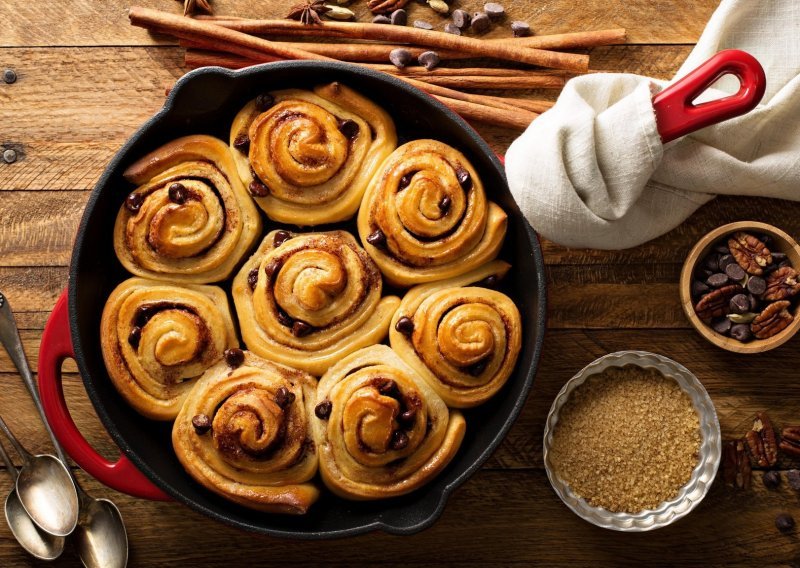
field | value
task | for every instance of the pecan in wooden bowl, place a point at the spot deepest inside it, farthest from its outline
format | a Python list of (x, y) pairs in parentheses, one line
[(740, 287)]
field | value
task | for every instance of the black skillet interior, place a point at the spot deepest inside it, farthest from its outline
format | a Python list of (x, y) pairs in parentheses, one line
[(205, 101)]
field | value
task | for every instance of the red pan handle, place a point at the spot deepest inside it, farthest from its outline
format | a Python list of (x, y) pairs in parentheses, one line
[(56, 346), (676, 113)]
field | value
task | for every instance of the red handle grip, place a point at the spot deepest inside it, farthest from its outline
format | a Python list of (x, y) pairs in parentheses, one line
[(56, 346), (676, 113)]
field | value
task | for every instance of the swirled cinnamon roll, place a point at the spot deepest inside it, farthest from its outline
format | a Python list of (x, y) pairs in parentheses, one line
[(425, 215), (307, 157), (191, 219), (244, 433), (307, 300), (158, 338), (381, 431), (463, 339)]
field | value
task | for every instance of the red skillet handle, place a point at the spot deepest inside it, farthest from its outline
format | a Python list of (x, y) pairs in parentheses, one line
[(56, 346), (676, 113)]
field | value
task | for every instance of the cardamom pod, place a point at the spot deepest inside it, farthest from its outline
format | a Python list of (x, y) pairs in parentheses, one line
[(439, 6), (742, 318), (339, 13)]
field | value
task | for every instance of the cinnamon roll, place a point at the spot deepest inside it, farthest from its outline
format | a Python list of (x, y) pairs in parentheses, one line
[(307, 300), (307, 157), (158, 338), (425, 215), (380, 430), (191, 219), (244, 433), (462, 339)]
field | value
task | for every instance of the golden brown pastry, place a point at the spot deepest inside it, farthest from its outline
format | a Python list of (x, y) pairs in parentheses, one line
[(306, 157), (425, 215), (244, 433), (307, 300), (157, 338), (380, 430), (463, 340), (190, 220)]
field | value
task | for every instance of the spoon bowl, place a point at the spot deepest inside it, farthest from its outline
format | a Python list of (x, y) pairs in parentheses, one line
[(47, 492), (38, 543), (100, 538)]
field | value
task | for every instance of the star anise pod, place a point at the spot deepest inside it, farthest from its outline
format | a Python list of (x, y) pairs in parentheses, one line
[(190, 6), (308, 12)]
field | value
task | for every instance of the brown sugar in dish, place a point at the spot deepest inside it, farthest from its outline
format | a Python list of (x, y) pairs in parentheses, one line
[(627, 439)]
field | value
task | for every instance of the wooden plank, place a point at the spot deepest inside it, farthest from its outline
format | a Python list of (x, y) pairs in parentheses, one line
[(105, 94), (496, 519), (85, 22)]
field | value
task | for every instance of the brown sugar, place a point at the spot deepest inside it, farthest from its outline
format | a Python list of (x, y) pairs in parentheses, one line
[(627, 439)]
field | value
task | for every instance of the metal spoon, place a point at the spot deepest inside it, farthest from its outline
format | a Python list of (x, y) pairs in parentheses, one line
[(100, 537), (45, 489), (38, 543)]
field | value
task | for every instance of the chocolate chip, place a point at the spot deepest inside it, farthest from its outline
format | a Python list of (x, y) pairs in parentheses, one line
[(735, 272), (258, 189), (264, 101), (520, 29), (284, 397), (408, 416), (399, 440), (739, 304), (461, 19), (428, 59), (272, 267), (477, 368), (793, 478), (480, 22), (699, 288), (349, 128), (399, 17), (201, 423), (134, 202), (301, 328), (388, 387), (284, 318), (771, 479), (405, 181), (234, 357), (721, 325), (323, 409), (451, 28), (423, 25), (252, 278), (464, 178), (712, 262), (722, 249), (376, 238), (765, 238), (753, 302), (724, 261), (405, 325), (444, 204), (778, 257), (177, 193), (381, 20), (10, 76), (242, 143), (489, 282), (741, 332), (494, 10), (400, 57), (280, 238), (135, 336), (717, 280), (757, 285), (784, 523)]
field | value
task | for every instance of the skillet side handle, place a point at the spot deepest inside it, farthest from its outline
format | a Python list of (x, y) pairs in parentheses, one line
[(676, 113), (56, 346)]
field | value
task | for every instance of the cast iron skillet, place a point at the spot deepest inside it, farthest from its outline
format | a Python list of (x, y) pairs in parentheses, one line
[(205, 101)]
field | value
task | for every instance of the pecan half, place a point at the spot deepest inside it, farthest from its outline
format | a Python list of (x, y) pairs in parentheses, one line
[(715, 303), (761, 442), (782, 284), (790, 441), (750, 253), (773, 320)]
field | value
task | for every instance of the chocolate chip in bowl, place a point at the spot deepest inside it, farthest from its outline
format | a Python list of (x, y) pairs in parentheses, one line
[(632, 442), (740, 288)]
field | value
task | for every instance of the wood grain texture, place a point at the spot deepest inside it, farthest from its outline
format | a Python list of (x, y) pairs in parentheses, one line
[(87, 22)]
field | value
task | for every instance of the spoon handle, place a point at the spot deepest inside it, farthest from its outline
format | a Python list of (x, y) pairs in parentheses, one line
[(12, 469), (9, 337), (26, 455)]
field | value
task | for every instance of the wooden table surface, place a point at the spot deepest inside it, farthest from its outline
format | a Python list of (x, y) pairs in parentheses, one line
[(87, 80)]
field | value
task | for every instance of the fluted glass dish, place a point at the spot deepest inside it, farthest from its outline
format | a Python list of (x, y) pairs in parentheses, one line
[(703, 474)]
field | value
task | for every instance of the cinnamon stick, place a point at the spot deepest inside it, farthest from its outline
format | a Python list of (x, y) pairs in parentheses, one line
[(573, 40), (482, 82), (517, 119), (505, 50), (417, 71)]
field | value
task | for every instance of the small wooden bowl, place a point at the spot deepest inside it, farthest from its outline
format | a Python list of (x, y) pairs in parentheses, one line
[(781, 242)]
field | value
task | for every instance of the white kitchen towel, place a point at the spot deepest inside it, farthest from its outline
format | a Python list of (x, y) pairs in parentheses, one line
[(592, 171)]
